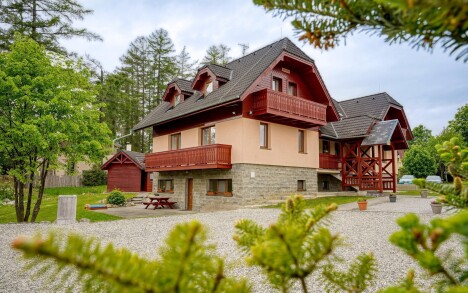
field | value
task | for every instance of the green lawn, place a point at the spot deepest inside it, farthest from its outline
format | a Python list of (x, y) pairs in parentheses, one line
[(310, 203), (48, 210), (416, 193)]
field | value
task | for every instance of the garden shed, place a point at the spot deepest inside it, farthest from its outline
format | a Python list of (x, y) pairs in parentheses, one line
[(126, 172)]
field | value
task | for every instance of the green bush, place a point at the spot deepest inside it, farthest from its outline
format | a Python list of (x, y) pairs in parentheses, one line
[(94, 177), (420, 182), (116, 197), (6, 190)]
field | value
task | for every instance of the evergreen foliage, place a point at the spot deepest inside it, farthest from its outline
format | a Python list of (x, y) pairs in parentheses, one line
[(217, 55), (116, 197), (45, 21), (48, 110), (297, 245), (185, 68), (94, 177), (423, 243), (186, 263), (455, 156), (423, 24), (419, 162)]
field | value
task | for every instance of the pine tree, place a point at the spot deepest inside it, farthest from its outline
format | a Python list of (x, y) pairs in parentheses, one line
[(217, 55), (45, 21), (185, 68)]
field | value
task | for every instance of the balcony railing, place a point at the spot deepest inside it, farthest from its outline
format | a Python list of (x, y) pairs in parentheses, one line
[(327, 161), (214, 156), (268, 101)]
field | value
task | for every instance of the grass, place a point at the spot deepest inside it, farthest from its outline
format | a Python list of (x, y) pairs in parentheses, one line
[(48, 212), (416, 193), (310, 203)]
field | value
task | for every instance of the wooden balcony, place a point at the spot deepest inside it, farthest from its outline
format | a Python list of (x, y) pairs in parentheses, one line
[(327, 161), (273, 104), (215, 156)]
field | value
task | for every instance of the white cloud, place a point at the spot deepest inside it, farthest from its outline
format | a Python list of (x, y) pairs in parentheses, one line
[(430, 86)]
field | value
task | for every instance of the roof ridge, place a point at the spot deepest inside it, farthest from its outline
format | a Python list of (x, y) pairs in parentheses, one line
[(363, 97), (334, 130), (268, 45)]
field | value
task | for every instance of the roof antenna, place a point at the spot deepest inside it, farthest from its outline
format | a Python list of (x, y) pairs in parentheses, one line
[(245, 47)]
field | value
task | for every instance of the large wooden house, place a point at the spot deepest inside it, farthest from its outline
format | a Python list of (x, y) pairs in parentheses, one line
[(265, 126)]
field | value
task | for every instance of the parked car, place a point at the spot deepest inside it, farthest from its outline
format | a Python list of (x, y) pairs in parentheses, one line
[(434, 178), (406, 179)]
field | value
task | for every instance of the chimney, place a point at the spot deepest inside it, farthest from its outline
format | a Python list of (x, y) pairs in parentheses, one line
[(129, 147)]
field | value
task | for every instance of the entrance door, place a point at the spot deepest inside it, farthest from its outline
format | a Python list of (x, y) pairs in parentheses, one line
[(189, 194)]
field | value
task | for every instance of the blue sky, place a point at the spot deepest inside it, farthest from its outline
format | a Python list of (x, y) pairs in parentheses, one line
[(430, 86)]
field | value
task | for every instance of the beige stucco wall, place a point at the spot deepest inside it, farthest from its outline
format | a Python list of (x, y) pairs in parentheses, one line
[(244, 136)]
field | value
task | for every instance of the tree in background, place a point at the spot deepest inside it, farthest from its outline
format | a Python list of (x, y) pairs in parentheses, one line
[(185, 68), (459, 124), (423, 24), (47, 110), (421, 136), (217, 55), (419, 162), (45, 21)]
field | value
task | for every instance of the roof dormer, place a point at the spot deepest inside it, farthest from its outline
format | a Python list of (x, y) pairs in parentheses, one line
[(210, 77), (177, 91)]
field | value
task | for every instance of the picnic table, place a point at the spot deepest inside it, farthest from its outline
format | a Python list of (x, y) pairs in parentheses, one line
[(158, 201)]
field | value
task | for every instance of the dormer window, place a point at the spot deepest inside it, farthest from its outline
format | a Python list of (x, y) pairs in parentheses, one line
[(177, 99), (209, 87)]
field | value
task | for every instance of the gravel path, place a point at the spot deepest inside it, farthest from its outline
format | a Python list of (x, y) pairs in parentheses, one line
[(363, 232)]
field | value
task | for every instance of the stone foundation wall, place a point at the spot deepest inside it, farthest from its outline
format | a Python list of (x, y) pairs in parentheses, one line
[(333, 183), (251, 184)]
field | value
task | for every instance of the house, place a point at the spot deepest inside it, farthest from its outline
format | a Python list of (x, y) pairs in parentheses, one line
[(126, 172), (265, 126)]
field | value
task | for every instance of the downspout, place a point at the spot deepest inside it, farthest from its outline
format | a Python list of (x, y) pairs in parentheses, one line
[(118, 138)]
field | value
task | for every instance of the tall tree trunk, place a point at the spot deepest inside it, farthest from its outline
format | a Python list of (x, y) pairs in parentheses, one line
[(34, 19), (30, 193), (19, 197), (43, 175)]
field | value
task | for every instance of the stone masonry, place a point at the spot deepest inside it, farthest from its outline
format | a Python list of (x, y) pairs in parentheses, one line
[(251, 184)]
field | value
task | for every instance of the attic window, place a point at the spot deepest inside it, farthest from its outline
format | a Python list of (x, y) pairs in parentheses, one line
[(276, 84), (177, 99), (209, 87)]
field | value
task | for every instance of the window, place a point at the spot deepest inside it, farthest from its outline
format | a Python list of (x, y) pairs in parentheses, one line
[(325, 146), (292, 89), (301, 141), (263, 135), (220, 187), (208, 87), (208, 135), (177, 100), (337, 149), (325, 185), (176, 141), (166, 185), (301, 185), (277, 84)]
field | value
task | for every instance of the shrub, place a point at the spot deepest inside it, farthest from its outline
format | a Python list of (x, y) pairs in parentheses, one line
[(6, 190), (94, 177), (420, 182), (116, 197)]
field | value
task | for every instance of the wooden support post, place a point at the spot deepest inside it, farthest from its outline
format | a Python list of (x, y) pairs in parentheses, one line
[(393, 169), (359, 166), (379, 160), (343, 165)]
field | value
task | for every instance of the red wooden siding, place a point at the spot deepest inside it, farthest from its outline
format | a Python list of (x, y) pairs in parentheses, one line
[(149, 182), (126, 177), (215, 156), (327, 161)]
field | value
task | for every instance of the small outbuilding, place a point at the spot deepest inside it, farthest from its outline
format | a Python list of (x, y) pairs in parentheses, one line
[(126, 172)]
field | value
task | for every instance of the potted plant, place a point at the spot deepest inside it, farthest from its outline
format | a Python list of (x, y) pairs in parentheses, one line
[(392, 197), (436, 207), (421, 183), (362, 203)]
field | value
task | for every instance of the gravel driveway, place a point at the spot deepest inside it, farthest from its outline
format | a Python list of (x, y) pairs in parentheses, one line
[(363, 232)]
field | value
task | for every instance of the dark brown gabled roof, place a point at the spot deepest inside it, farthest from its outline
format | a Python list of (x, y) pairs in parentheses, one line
[(373, 105), (220, 71), (183, 84), (135, 157), (348, 128), (244, 72)]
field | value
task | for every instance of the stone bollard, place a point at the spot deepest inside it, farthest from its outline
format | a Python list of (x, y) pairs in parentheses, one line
[(66, 213)]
